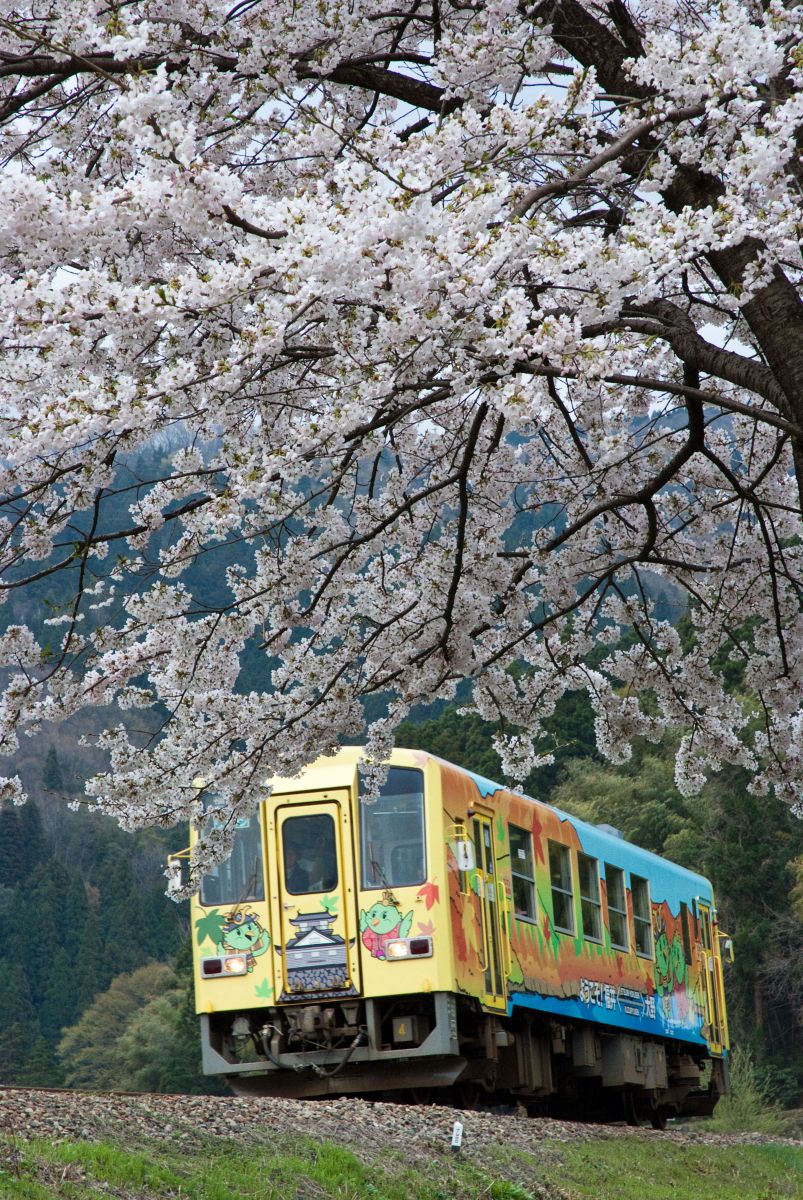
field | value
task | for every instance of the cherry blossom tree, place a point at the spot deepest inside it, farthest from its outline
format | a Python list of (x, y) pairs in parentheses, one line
[(479, 324)]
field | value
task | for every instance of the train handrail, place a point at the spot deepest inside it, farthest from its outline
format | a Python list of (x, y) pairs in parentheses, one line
[(504, 910), (482, 894)]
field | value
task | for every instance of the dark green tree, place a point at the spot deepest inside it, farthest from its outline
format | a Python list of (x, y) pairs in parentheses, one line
[(42, 1067), (52, 778), (93, 975), (22, 843), (12, 849), (123, 928), (19, 1028)]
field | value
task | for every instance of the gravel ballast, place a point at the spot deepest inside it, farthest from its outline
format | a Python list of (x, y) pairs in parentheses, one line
[(367, 1127)]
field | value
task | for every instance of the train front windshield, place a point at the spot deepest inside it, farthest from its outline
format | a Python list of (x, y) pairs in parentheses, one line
[(393, 850)]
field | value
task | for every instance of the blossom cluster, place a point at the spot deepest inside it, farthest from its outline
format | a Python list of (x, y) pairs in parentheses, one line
[(481, 334)]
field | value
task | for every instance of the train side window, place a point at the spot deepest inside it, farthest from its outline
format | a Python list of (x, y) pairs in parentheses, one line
[(522, 873), (617, 907), (240, 877), (590, 902), (642, 917), (392, 832), (560, 877)]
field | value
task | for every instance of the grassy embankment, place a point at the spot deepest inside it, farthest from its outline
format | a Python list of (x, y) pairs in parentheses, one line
[(620, 1168)]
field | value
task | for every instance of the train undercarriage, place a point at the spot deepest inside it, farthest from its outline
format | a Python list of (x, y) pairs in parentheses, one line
[(443, 1048)]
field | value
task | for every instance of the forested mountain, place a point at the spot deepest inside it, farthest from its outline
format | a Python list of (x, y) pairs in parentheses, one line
[(81, 903)]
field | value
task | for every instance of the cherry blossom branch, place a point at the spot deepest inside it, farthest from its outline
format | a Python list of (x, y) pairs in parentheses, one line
[(562, 186)]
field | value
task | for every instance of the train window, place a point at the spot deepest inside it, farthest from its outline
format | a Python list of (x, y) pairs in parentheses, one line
[(392, 832), (310, 854), (522, 873), (642, 917), (240, 877), (590, 903), (560, 875), (617, 907)]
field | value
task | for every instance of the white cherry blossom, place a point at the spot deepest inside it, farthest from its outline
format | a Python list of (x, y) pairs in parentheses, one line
[(465, 334)]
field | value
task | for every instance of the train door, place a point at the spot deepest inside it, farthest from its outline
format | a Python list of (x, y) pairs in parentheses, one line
[(316, 897), (488, 892), (714, 991)]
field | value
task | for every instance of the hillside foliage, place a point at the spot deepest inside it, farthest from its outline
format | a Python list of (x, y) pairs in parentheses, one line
[(81, 904)]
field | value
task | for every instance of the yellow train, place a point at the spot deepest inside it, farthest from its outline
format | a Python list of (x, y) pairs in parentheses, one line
[(455, 939)]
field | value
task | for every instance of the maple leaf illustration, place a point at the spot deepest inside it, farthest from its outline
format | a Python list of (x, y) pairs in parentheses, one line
[(430, 893)]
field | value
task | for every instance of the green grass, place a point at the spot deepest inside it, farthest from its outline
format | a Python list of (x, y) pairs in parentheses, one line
[(284, 1168), (629, 1168), (296, 1169)]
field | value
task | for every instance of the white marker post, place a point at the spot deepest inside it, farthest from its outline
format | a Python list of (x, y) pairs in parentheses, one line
[(457, 1136)]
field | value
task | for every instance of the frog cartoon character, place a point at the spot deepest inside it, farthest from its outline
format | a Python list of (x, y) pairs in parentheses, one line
[(670, 970), (382, 923), (242, 933)]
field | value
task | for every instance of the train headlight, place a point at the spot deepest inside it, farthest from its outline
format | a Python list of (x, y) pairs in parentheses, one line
[(417, 947), (225, 964)]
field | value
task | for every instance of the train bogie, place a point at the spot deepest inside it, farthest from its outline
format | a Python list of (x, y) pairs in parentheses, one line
[(454, 938)]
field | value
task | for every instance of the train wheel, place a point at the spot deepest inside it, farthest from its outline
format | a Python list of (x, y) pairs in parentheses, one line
[(467, 1096), (629, 1108), (658, 1118)]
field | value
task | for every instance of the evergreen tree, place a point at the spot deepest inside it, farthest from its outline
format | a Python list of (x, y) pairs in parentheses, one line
[(52, 778), (94, 966), (161, 923), (22, 843), (12, 848), (121, 916), (42, 930), (42, 1067), (34, 846), (19, 1028), (58, 999)]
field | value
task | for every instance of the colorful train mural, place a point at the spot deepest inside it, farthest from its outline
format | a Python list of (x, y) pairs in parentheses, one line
[(453, 935)]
